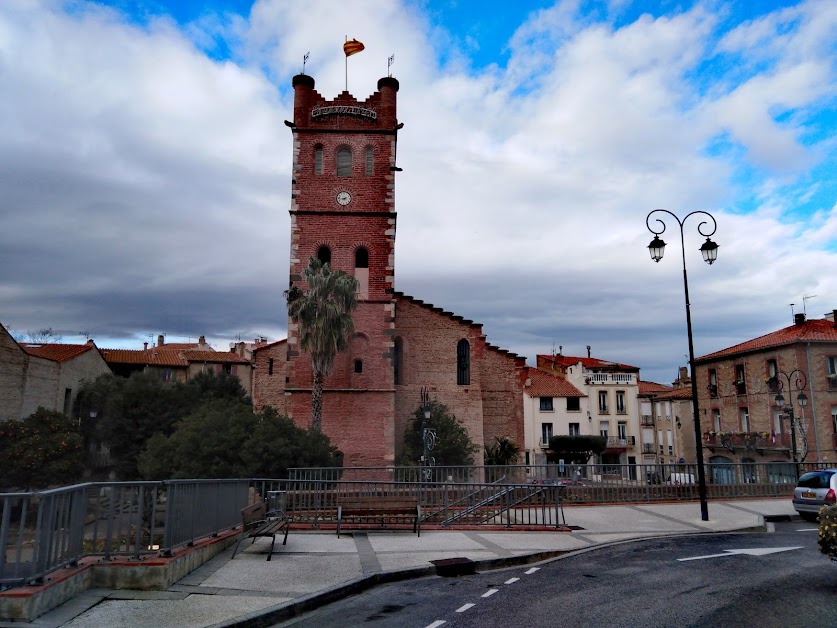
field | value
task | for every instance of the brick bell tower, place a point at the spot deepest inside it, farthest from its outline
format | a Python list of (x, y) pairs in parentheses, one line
[(343, 212)]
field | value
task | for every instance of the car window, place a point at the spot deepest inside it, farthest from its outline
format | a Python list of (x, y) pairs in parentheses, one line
[(817, 479)]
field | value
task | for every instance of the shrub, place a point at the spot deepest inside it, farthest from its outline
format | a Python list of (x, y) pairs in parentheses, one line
[(827, 537)]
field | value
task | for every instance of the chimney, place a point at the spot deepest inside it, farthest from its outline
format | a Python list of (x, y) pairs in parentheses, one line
[(588, 351), (799, 319), (684, 373), (202, 340), (145, 346), (161, 340), (834, 317)]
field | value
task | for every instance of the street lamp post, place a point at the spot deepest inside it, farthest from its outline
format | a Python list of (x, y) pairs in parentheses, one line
[(709, 250), (796, 379), (428, 434)]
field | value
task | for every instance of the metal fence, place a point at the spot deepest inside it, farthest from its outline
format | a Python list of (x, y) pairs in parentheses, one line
[(47, 530)]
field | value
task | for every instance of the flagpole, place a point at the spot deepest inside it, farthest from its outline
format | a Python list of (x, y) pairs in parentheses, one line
[(347, 67)]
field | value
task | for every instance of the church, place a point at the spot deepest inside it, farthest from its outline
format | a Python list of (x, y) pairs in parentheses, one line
[(343, 212)]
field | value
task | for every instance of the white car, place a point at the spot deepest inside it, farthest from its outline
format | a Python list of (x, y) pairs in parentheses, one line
[(813, 491)]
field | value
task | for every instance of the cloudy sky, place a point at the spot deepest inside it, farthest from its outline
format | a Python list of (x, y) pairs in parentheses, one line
[(144, 164)]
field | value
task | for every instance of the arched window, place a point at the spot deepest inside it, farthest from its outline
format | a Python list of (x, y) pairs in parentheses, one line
[(362, 272), (344, 161), (324, 254), (318, 159), (463, 363), (370, 161)]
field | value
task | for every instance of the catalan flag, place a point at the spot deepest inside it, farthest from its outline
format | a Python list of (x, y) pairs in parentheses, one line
[(352, 46)]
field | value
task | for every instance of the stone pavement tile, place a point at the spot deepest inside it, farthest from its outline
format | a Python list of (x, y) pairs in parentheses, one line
[(314, 543), (430, 541), (300, 574), (534, 541), (73, 607), (621, 518), (193, 588), (395, 560), (780, 506), (196, 611), (132, 594)]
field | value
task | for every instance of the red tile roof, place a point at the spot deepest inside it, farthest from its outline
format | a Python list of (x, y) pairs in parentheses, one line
[(588, 363), (166, 356), (676, 393), (546, 385), (817, 330), (647, 389), (214, 357), (54, 351), (154, 357)]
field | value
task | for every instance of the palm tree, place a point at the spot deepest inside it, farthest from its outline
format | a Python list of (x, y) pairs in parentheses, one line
[(323, 313)]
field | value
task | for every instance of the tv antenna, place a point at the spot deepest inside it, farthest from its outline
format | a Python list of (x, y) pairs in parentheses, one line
[(804, 302)]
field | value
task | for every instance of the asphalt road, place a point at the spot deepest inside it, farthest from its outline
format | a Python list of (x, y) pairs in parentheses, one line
[(631, 584)]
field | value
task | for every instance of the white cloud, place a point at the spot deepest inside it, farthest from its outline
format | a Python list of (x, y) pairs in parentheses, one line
[(146, 185)]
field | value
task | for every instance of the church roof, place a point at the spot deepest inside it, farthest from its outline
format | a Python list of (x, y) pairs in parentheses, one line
[(588, 363)]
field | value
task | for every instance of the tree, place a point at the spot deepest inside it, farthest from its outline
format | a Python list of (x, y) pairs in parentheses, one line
[(224, 439), (503, 452), (130, 411), (323, 313), (44, 449), (576, 449), (44, 336), (452, 447)]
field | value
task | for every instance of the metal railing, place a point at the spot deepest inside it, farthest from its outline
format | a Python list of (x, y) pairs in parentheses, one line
[(46, 530)]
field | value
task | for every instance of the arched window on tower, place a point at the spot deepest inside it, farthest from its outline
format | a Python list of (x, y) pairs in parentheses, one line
[(463, 363), (324, 254), (370, 161), (318, 159), (344, 161), (362, 272)]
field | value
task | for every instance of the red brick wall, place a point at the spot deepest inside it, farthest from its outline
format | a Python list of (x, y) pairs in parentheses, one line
[(269, 389)]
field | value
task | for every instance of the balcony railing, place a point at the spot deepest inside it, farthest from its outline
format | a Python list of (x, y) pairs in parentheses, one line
[(647, 419), (747, 440), (616, 442), (648, 448), (610, 378)]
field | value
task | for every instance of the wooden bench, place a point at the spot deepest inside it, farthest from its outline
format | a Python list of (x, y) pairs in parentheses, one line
[(380, 507), (256, 522)]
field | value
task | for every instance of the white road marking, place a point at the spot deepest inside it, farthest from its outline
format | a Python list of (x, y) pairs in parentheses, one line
[(465, 607), (489, 593), (808, 530), (529, 572), (436, 623), (511, 580), (759, 551)]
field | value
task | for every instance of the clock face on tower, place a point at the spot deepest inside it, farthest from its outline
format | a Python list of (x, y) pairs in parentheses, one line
[(344, 198)]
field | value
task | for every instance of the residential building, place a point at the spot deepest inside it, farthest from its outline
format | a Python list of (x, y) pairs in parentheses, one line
[(342, 210), (179, 361), (738, 388), (552, 407), (612, 391), (34, 375)]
